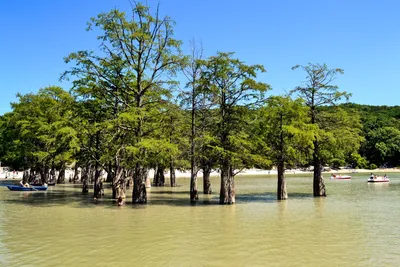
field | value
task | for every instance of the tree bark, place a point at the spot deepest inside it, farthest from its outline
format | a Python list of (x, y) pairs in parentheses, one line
[(227, 193), (194, 195), (110, 173), (44, 174), (85, 179), (98, 184), (61, 175), (159, 179), (76, 173), (172, 175), (118, 184), (281, 192), (139, 194), (318, 183), (207, 190)]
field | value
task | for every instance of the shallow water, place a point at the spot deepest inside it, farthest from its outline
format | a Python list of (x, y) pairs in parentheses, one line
[(356, 225)]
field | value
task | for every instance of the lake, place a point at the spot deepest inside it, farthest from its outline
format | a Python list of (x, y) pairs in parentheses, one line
[(355, 225)]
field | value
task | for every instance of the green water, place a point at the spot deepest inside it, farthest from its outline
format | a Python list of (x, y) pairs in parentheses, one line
[(356, 225)]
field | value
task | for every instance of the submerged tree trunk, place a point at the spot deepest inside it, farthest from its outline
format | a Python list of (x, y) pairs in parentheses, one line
[(318, 184), (61, 175), (44, 174), (281, 192), (118, 184), (194, 195), (207, 190), (85, 179), (52, 175), (139, 194), (159, 178), (76, 174), (227, 193), (98, 183), (172, 175), (110, 173)]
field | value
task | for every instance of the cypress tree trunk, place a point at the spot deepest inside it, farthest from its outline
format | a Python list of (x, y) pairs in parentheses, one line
[(110, 173), (159, 179), (318, 183), (282, 193), (52, 174), (44, 174), (98, 185), (172, 176), (118, 184), (207, 190), (85, 179), (61, 175), (155, 176), (139, 194), (194, 195), (227, 193), (76, 173), (91, 174)]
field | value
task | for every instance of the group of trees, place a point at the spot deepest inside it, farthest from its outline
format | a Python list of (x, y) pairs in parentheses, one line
[(126, 113)]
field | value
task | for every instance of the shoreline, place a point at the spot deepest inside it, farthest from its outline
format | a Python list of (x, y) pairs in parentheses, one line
[(186, 174)]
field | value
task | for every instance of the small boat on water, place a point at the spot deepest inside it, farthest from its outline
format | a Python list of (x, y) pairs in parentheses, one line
[(23, 188), (378, 179), (40, 184), (340, 177)]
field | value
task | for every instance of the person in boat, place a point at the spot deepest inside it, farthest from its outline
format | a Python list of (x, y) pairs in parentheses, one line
[(24, 184), (372, 176), (385, 176)]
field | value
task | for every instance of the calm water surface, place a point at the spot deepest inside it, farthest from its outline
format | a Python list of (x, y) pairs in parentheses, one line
[(356, 225)]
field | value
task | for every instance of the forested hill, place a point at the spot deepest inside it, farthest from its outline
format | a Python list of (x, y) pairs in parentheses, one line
[(366, 111), (381, 130)]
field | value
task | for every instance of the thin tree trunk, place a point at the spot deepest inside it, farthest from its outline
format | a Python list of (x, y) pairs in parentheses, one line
[(110, 173), (281, 191), (207, 190), (172, 175), (98, 185), (85, 179), (194, 195), (76, 173), (44, 174)]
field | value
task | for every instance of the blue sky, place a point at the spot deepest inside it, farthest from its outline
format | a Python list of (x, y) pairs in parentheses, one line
[(360, 36)]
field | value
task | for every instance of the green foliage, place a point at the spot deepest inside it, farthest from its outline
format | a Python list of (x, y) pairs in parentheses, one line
[(232, 87), (340, 134), (372, 166), (39, 131), (285, 131), (357, 161)]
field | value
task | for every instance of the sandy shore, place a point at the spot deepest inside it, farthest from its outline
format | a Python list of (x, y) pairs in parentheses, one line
[(186, 174)]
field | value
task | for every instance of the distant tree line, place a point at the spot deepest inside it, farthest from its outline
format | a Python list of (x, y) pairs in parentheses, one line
[(127, 113)]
